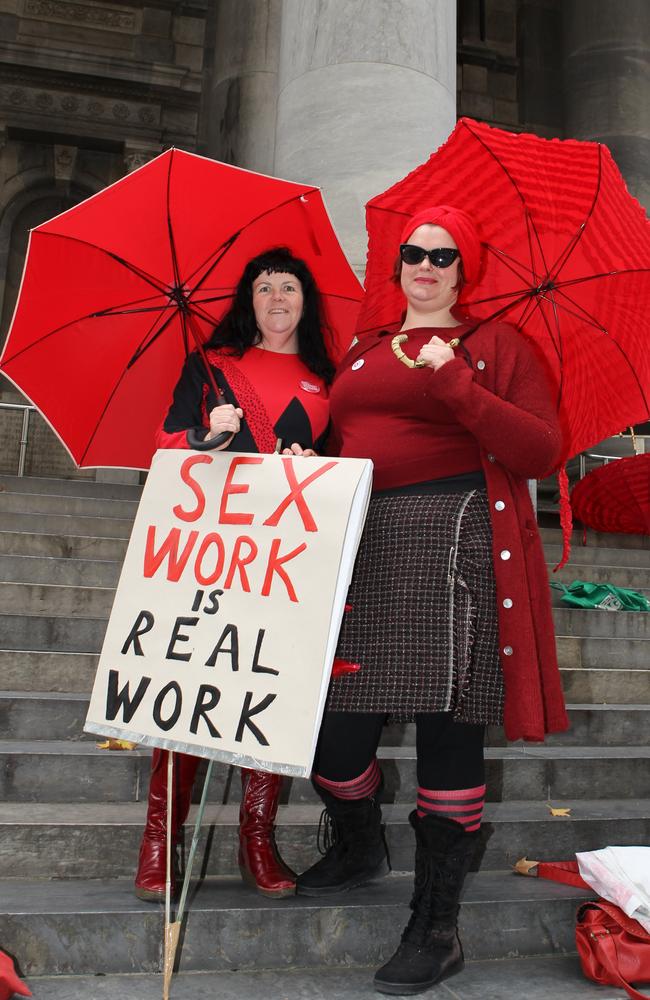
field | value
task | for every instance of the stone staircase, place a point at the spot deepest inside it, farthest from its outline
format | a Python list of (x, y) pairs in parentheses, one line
[(72, 815)]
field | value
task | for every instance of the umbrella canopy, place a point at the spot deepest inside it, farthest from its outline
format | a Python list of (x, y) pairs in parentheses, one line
[(567, 261), (117, 290), (615, 497)]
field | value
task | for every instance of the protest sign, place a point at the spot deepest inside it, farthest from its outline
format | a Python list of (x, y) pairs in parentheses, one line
[(224, 626)]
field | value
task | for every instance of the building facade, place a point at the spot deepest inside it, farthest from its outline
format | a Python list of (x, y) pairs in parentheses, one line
[(349, 94)]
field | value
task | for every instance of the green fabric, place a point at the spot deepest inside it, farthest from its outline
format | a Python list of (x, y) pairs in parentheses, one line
[(581, 594)]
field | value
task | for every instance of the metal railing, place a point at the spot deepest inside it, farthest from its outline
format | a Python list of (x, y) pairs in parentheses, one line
[(27, 409)]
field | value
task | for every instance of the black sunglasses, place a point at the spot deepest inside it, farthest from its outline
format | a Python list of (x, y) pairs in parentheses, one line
[(442, 257)]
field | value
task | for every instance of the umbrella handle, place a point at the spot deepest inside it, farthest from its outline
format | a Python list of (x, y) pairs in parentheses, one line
[(198, 444)]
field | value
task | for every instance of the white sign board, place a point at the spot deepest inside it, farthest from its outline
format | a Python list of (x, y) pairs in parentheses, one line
[(225, 621)]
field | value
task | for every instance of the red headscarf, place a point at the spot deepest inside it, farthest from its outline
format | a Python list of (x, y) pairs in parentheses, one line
[(459, 225)]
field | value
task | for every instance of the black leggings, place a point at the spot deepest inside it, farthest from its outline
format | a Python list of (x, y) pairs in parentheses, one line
[(449, 754)]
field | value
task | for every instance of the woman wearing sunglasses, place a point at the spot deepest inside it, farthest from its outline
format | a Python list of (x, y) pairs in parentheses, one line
[(448, 621)]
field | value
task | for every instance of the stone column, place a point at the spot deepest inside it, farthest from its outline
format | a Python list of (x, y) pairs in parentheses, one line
[(367, 90), (607, 81), (243, 89)]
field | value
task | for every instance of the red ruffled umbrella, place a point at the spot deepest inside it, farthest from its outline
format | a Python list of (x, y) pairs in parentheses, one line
[(117, 290), (615, 497), (567, 261)]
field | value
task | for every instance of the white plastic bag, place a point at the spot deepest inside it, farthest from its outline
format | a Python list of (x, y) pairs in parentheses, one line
[(622, 876)]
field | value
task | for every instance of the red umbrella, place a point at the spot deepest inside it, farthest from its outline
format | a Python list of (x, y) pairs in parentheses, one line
[(615, 497), (117, 290), (567, 261)]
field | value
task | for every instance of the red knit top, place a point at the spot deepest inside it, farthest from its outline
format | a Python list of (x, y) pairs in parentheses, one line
[(410, 436)]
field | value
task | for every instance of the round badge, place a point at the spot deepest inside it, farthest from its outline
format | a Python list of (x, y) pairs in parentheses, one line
[(359, 363), (309, 386)]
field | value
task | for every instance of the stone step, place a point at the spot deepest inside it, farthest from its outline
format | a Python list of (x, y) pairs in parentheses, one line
[(635, 577), (577, 632), (64, 672), (587, 556), (62, 546), (75, 506), (102, 840), (66, 524), (45, 599), (79, 927), (26, 715), (554, 976), (51, 632), (594, 671), (66, 572), (595, 622), (606, 686), (595, 539), (602, 652), (70, 487), (67, 771), (85, 635), (96, 602)]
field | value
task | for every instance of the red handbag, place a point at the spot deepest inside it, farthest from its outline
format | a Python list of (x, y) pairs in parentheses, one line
[(614, 949)]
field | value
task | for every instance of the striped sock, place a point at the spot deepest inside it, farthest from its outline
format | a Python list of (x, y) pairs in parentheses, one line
[(358, 788), (464, 805)]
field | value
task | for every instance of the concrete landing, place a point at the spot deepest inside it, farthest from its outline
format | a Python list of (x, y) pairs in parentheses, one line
[(515, 979)]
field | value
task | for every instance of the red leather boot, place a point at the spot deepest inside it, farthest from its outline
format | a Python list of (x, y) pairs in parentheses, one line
[(150, 876), (259, 862)]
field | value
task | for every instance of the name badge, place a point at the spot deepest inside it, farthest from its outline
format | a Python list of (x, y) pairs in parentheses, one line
[(309, 386)]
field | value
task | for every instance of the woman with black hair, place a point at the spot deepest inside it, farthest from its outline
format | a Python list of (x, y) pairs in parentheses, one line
[(269, 360)]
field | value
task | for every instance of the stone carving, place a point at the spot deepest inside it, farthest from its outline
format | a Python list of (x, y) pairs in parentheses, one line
[(65, 158), (111, 18), (54, 103), (134, 158)]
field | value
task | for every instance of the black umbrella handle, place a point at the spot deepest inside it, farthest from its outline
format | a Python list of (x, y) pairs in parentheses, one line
[(201, 444)]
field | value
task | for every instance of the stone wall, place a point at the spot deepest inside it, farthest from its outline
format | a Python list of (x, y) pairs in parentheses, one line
[(89, 90)]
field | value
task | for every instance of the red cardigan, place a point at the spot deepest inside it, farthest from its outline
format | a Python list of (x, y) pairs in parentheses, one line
[(497, 389)]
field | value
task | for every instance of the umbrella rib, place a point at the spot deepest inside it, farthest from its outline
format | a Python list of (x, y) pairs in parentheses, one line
[(575, 239), (529, 223), (579, 312), (170, 228), (228, 243), (117, 310), (602, 274), (517, 294), (138, 271), (510, 263), (148, 340), (203, 313), (52, 333), (558, 349), (138, 353), (508, 175), (558, 329)]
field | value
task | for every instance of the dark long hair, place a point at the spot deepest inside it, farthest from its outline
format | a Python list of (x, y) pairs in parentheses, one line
[(238, 330)]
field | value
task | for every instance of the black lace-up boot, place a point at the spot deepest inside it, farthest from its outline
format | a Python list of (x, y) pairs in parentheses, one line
[(353, 847), (430, 949)]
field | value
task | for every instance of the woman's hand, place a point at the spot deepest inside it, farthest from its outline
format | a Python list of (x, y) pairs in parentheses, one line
[(436, 353), (295, 449), (226, 418)]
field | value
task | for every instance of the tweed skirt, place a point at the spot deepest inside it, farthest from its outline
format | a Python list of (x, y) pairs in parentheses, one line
[(422, 618)]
